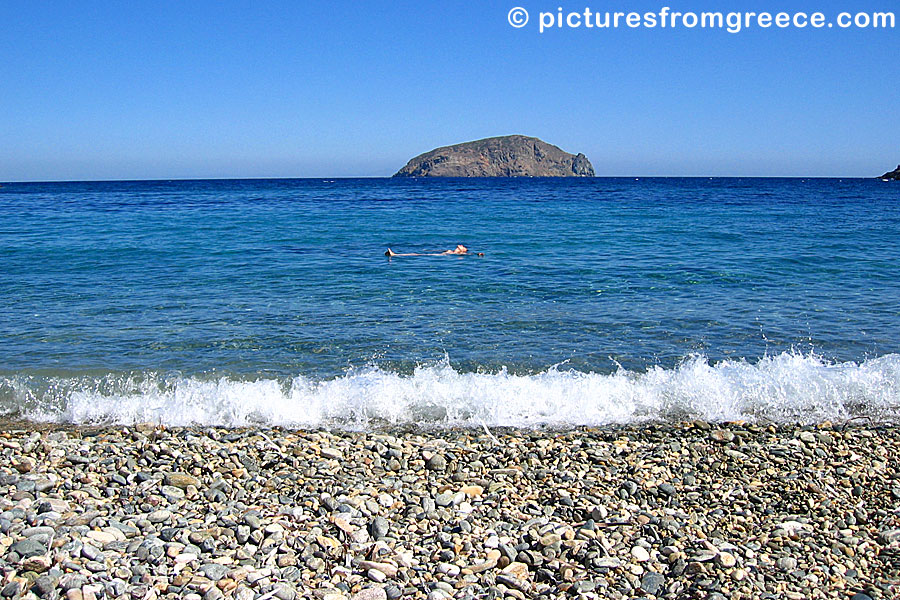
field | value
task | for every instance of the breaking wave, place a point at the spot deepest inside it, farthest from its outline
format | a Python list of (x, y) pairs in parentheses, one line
[(789, 387)]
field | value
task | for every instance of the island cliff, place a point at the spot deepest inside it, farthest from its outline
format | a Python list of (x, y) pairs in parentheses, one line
[(507, 156), (895, 174)]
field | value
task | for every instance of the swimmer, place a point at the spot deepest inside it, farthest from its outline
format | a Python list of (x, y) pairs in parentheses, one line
[(458, 251)]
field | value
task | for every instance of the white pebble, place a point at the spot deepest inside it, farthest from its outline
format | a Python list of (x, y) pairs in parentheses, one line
[(640, 554)]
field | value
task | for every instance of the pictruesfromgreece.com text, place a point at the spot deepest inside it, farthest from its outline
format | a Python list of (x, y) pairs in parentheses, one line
[(668, 18)]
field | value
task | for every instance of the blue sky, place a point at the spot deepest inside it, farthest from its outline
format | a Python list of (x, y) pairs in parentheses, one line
[(143, 90)]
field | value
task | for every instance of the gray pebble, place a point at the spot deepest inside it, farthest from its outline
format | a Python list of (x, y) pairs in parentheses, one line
[(44, 532), (444, 499), (44, 586), (436, 463), (284, 591), (71, 581), (213, 593), (214, 571), (667, 488), (115, 588), (786, 563), (28, 548), (651, 582), (379, 528), (889, 536), (11, 589), (252, 521)]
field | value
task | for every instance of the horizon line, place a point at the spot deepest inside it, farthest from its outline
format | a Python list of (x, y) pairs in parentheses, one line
[(350, 177)]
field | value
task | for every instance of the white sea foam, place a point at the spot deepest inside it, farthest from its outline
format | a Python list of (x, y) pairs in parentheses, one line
[(785, 388)]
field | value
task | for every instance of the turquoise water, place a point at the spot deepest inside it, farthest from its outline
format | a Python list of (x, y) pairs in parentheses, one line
[(596, 301)]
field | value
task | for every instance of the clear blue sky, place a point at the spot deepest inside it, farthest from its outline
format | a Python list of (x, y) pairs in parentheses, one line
[(120, 90)]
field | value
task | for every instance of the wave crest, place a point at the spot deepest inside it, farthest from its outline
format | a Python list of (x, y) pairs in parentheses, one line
[(788, 387)]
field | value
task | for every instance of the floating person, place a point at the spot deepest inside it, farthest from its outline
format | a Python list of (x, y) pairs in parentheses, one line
[(458, 251)]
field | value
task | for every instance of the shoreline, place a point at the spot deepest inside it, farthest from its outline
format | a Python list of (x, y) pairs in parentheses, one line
[(694, 510)]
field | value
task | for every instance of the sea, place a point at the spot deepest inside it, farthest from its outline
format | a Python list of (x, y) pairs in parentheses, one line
[(596, 302)]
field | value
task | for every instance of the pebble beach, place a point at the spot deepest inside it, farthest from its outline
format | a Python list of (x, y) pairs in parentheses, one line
[(695, 510)]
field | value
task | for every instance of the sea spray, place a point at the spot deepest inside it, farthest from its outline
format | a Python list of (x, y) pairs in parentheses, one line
[(788, 387)]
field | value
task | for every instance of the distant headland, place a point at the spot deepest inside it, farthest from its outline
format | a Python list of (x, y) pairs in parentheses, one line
[(505, 156), (894, 175)]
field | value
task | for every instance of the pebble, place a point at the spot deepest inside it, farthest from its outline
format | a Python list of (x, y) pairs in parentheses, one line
[(379, 528), (694, 510), (185, 557), (90, 552), (74, 594), (245, 593), (90, 592), (722, 436), (331, 453), (444, 499), (214, 571), (667, 488), (472, 491), (23, 464), (786, 563), (725, 560), (283, 591), (215, 593), (515, 575), (31, 532), (376, 575), (640, 554), (28, 548), (12, 589), (180, 480), (173, 493), (44, 586), (37, 564), (651, 582), (159, 516), (807, 436), (550, 539), (372, 593), (889, 537), (436, 463)]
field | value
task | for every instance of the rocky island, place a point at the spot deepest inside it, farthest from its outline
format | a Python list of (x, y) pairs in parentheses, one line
[(893, 175), (506, 156)]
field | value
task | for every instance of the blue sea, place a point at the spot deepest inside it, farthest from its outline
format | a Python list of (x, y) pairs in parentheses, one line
[(597, 301)]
